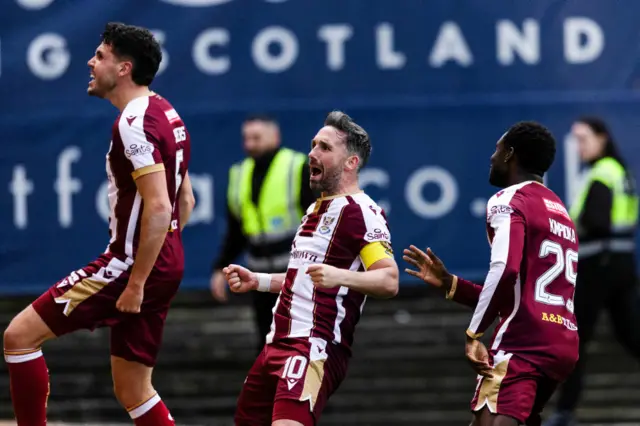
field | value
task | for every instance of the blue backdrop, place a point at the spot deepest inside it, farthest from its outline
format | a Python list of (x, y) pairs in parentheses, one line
[(435, 83)]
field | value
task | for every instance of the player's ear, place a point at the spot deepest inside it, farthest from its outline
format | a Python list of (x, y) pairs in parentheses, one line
[(352, 162), (509, 154), (125, 67)]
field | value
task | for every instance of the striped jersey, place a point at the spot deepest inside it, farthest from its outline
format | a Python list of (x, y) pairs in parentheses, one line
[(339, 231), (148, 136)]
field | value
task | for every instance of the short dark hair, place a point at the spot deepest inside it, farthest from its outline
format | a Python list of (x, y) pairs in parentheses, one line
[(138, 45), (533, 144), (357, 139)]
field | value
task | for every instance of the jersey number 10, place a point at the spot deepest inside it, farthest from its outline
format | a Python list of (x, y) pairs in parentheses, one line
[(564, 263)]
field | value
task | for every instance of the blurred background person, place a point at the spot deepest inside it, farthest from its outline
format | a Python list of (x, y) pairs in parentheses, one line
[(268, 194), (605, 213)]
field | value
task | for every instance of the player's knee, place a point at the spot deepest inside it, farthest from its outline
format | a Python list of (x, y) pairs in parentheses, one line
[(131, 382), (131, 395), (26, 331)]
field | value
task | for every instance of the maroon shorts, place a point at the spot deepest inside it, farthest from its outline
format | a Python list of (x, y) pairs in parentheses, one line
[(518, 390), (291, 379), (86, 299)]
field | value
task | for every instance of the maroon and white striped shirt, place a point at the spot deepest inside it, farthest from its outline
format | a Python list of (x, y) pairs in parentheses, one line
[(148, 136), (333, 231)]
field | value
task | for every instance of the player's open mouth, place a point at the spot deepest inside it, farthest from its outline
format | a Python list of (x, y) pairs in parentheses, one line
[(91, 77), (316, 172)]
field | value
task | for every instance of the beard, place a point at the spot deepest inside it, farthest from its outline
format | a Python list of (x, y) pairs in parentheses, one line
[(498, 177), (99, 88), (329, 183)]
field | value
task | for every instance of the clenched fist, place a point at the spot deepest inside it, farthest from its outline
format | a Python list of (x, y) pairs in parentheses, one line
[(325, 276), (241, 280)]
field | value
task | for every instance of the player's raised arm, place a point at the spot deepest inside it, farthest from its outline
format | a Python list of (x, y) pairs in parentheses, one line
[(430, 269), (507, 247), (186, 201)]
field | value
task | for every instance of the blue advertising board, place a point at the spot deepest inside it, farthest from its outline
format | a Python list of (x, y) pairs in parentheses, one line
[(435, 84)]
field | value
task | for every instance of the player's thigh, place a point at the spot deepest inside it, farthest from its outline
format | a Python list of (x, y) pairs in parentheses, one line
[(138, 337), (544, 391), (308, 372), (25, 333), (85, 299), (131, 382), (255, 403), (511, 391)]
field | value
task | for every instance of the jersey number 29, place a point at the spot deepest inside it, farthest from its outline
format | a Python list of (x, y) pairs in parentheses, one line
[(565, 261)]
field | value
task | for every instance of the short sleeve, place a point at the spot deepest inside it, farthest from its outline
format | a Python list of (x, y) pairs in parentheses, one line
[(375, 243), (141, 144)]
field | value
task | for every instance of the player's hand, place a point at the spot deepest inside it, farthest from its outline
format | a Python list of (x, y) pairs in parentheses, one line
[(240, 279), (428, 267), (478, 357), (130, 300), (218, 286), (325, 276)]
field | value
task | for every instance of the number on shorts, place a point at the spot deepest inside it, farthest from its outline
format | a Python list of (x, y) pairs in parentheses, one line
[(564, 262), (294, 368)]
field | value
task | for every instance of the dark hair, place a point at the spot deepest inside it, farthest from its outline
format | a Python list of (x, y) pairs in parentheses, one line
[(533, 144), (600, 128), (357, 139), (138, 45)]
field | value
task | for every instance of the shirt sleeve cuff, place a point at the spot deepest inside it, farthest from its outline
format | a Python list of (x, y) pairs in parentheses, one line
[(452, 290), (473, 335)]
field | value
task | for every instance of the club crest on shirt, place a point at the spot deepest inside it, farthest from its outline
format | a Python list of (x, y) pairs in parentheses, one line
[(328, 220)]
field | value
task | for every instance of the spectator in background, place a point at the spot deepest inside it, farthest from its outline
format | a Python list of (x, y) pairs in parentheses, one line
[(267, 196), (605, 213)]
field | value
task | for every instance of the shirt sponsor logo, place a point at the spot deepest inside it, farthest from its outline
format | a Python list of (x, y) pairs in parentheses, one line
[(559, 319), (377, 235), (135, 150), (303, 255), (555, 207), (499, 209)]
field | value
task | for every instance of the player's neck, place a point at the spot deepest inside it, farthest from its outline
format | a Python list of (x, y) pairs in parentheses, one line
[(341, 190), (522, 176), (121, 98)]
